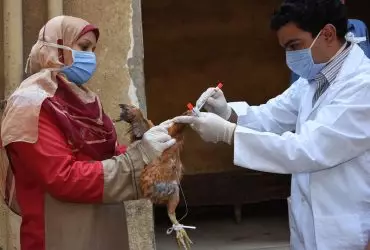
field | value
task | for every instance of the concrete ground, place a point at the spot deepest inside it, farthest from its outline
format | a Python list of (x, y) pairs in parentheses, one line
[(264, 226)]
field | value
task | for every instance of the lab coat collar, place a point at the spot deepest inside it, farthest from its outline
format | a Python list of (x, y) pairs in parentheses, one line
[(350, 66), (352, 62)]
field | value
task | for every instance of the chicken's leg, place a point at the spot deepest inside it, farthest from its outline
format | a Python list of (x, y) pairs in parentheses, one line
[(182, 237)]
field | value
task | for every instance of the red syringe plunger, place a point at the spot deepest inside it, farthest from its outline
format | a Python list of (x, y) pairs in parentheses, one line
[(190, 106)]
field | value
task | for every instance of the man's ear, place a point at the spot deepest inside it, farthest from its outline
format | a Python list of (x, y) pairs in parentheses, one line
[(330, 33)]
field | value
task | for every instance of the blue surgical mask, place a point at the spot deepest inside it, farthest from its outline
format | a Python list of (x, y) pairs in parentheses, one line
[(301, 62), (83, 66)]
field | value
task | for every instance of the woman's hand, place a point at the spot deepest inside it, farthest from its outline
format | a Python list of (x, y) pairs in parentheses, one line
[(155, 141)]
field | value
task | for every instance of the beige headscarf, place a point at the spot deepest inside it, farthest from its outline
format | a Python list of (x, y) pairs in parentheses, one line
[(21, 115)]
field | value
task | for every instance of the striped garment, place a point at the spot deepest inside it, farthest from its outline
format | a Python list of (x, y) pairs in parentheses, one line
[(329, 73)]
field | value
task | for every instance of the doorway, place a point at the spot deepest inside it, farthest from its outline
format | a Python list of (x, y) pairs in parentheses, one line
[(188, 47)]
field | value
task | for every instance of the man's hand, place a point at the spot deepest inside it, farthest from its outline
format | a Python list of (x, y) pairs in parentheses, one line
[(155, 141), (216, 103), (210, 127)]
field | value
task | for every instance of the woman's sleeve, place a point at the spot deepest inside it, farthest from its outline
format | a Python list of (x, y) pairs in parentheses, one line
[(52, 163)]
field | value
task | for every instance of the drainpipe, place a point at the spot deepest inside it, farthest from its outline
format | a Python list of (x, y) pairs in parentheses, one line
[(55, 8), (13, 45)]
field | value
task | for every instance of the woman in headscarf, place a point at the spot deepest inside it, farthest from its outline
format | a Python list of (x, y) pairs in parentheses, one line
[(71, 177)]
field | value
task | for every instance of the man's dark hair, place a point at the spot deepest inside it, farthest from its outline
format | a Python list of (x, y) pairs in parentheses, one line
[(312, 15)]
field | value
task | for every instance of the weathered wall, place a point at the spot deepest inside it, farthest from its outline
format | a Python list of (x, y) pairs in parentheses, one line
[(119, 79), (1, 51), (9, 65), (33, 20)]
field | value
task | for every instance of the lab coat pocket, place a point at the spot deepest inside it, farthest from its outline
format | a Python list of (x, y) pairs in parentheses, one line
[(340, 232)]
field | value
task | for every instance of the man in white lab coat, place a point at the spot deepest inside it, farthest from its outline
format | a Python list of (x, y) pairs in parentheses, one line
[(328, 155), (357, 30)]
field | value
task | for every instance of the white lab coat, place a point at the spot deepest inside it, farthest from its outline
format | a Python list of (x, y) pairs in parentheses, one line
[(328, 155)]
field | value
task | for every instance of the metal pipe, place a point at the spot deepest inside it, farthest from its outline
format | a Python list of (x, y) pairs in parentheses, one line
[(55, 8), (13, 45)]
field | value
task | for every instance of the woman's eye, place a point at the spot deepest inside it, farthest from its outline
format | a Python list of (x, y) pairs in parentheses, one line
[(84, 47)]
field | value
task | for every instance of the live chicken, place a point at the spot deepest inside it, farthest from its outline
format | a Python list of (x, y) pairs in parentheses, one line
[(161, 178)]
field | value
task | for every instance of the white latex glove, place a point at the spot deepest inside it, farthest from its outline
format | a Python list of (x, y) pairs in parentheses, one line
[(210, 127), (216, 103), (167, 124), (155, 141)]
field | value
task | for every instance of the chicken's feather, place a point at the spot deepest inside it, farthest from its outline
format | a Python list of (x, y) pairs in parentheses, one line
[(159, 179)]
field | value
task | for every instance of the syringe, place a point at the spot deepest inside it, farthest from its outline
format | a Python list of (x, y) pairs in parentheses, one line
[(199, 106)]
